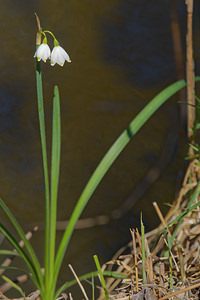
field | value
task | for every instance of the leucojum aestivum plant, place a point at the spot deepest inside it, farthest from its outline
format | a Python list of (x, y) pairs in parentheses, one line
[(47, 282)]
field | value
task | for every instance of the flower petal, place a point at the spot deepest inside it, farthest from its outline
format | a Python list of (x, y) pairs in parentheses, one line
[(59, 55), (64, 54), (43, 52)]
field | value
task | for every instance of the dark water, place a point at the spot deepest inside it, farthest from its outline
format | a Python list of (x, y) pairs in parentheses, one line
[(122, 56)]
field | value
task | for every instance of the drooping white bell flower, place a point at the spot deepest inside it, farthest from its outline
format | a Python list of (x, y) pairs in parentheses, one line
[(43, 51), (59, 55)]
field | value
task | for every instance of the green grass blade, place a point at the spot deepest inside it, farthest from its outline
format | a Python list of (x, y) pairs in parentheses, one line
[(14, 285), (55, 167), (9, 252), (93, 293), (101, 276), (89, 276), (22, 235), (22, 253), (109, 159), (16, 269), (45, 163)]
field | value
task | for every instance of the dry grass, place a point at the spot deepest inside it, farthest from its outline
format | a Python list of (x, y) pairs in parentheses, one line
[(172, 265)]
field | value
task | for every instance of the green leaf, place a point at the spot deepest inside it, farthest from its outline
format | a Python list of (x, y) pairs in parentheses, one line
[(14, 285), (22, 253), (8, 252), (109, 159), (101, 276), (16, 269), (55, 167), (34, 264)]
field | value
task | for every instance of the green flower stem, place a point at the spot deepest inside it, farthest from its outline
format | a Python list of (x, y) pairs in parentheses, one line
[(45, 166), (45, 38), (56, 43)]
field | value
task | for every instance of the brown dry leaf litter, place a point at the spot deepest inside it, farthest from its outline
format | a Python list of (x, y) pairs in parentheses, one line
[(183, 280)]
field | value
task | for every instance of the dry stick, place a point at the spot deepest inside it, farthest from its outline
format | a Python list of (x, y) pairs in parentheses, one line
[(149, 265), (194, 286), (149, 262), (190, 71), (114, 283), (79, 283), (185, 188), (181, 261), (70, 296), (111, 282), (160, 215), (135, 258), (161, 274), (62, 297), (172, 255), (178, 55), (139, 239)]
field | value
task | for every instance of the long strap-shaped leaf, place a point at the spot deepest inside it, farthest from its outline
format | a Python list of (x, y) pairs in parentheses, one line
[(22, 253), (108, 160), (33, 262), (55, 167)]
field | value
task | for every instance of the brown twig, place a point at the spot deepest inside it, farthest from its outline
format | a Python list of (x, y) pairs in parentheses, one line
[(178, 55), (135, 258), (79, 283), (168, 296), (190, 70)]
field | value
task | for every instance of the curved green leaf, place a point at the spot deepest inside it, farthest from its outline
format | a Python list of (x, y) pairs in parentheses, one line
[(9, 252), (22, 253), (14, 285), (109, 159)]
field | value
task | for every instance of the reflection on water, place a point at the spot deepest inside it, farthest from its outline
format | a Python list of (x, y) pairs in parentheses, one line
[(122, 56)]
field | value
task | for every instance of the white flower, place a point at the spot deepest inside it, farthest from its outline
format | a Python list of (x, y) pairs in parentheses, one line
[(59, 55), (43, 52)]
